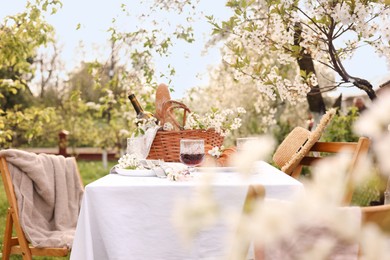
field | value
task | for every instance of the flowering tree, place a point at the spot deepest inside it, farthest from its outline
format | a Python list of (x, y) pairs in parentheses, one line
[(266, 37), (152, 37), (264, 115), (20, 37)]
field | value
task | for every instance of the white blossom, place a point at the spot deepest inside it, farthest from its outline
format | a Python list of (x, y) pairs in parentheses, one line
[(216, 151), (130, 161), (221, 121)]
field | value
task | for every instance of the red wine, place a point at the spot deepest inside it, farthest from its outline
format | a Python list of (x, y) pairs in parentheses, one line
[(191, 159)]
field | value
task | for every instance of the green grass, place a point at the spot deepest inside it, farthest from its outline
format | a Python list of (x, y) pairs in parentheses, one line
[(89, 171)]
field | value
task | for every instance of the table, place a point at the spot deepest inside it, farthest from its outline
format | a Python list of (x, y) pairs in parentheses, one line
[(125, 217)]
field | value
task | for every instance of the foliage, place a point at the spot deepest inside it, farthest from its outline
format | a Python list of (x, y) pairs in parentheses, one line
[(25, 125), (142, 43), (95, 124), (340, 128), (21, 35), (370, 191), (102, 106)]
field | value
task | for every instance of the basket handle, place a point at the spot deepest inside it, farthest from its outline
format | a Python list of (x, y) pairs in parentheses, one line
[(168, 116)]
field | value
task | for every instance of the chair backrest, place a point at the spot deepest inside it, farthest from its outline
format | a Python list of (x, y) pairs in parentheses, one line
[(19, 244), (321, 150)]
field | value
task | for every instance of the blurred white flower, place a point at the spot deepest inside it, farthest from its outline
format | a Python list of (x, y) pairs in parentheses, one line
[(241, 110), (252, 151), (329, 180), (374, 243), (374, 123), (382, 151)]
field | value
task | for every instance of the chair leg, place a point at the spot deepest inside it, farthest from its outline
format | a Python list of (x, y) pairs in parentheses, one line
[(297, 172), (7, 236), (22, 241)]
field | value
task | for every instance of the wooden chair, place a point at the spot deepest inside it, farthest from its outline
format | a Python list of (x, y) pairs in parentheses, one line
[(19, 244), (379, 215), (321, 150)]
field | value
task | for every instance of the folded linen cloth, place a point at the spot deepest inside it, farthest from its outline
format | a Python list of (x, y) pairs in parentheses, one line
[(143, 142), (149, 136), (49, 192)]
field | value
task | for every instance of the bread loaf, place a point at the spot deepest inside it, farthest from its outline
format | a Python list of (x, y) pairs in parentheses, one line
[(162, 95), (224, 159)]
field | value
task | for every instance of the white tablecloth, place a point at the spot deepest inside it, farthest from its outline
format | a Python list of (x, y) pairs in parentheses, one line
[(131, 217)]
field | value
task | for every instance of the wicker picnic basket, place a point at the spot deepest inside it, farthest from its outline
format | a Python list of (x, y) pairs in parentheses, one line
[(166, 144)]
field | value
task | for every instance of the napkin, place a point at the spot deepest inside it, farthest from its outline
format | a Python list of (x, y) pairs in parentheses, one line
[(142, 144), (149, 137)]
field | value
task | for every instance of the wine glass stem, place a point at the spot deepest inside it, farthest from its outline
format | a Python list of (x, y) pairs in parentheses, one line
[(190, 169)]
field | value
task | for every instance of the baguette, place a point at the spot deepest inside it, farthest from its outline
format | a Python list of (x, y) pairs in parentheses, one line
[(162, 95)]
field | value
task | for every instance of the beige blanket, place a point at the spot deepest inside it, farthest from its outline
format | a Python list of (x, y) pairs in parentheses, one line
[(49, 193)]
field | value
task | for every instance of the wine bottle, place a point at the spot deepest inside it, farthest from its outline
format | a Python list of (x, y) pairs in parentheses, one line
[(141, 114)]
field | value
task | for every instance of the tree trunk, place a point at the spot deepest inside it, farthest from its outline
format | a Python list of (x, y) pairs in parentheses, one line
[(305, 62)]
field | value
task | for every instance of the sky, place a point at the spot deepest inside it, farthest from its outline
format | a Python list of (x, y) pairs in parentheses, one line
[(191, 65), (95, 17)]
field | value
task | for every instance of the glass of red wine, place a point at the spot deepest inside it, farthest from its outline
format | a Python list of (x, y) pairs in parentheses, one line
[(191, 152)]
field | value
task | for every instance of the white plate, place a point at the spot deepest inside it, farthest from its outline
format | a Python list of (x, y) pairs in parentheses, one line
[(215, 169), (135, 173)]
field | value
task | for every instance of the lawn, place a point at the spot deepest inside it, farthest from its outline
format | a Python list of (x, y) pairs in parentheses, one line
[(89, 171)]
